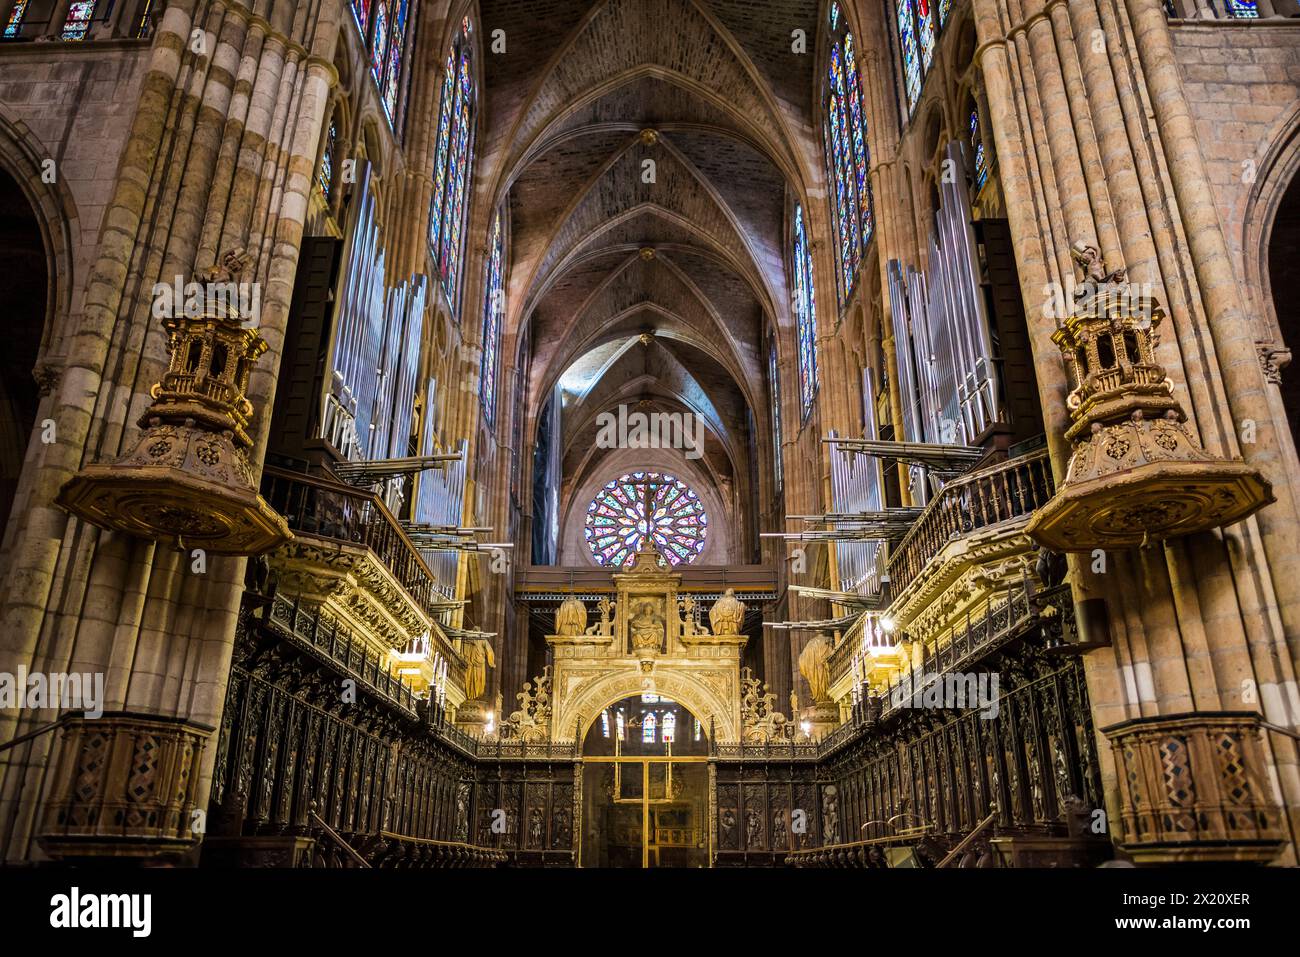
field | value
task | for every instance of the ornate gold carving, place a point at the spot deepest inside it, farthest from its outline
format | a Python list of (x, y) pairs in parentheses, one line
[(188, 479), (1137, 474)]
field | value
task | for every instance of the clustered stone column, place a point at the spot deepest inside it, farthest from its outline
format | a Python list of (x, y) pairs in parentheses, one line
[(220, 156), (1200, 624)]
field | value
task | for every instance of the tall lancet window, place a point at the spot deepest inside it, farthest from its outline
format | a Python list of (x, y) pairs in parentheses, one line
[(649, 726), (919, 24), (669, 727), (805, 307), (15, 25), (494, 302), (361, 12), (979, 156), (453, 156), (386, 51), (845, 139), (774, 380), (77, 23)]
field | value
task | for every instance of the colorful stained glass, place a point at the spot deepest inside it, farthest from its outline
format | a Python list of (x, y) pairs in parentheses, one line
[(648, 728), (641, 505), (620, 725), (911, 56), (858, 127), (835, 15), (361, 11), (841, 170), (144, 22), (391, 86), (493, 306), (668, 728), (925, 33), (15, 25), (452, 165), (805, 301), (379, 46), (977, 149), (945, 7), (1242, 9), (77, 23), (325, 176), (604, 723)]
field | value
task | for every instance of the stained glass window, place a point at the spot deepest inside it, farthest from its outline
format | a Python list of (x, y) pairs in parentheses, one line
[(144, 22), (773, 376), (925, 32), (848, 159), (646, 504), (835, 15), (604, 723), (493, 306), (326, 174), (669, 727), (805, 303), (911, 56), (77, 23), (1242, 9), (919, 26), (361, 11), (697, 729), (620, 725), (386, 51), (649, 725), (15, 25), (453, 156), (977, 149)]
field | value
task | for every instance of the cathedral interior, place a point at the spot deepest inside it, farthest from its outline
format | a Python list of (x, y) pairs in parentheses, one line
[(649, 433)]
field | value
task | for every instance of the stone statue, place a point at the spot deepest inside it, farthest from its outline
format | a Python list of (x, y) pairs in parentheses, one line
[(727, 614), (478, 659), (814, 665), (605, 626), (571, 617), (1088, 259), (228, 269), (647, 628)]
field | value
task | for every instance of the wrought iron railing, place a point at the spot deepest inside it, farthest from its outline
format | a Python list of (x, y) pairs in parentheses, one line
[(325, 509), (1014, 489), (344, 648)]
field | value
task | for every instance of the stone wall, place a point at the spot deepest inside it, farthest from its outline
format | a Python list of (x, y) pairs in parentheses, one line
[(73, 104), (1243, 84)]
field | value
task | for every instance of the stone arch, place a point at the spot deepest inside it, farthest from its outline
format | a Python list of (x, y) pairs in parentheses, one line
[(715, 711), (719, 545)]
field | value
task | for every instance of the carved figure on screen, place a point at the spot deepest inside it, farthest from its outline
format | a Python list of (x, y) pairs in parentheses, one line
[(647, 628), (727, 614)]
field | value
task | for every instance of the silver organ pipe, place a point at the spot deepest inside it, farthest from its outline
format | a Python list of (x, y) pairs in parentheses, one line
[(374, 352), (440, 500), (946, 368), (856, 482), (901, 281)]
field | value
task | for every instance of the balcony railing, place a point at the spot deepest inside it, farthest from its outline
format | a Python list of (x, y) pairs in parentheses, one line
[(325, 509), (340, 645), (1014, 489)]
